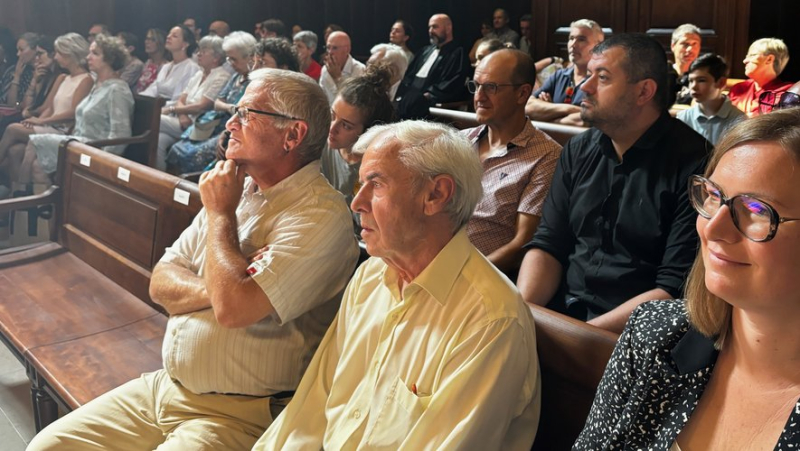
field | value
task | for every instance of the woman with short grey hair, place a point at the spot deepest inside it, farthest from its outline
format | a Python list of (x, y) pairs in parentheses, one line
[(305, 44), (196, 99), (197, 146)]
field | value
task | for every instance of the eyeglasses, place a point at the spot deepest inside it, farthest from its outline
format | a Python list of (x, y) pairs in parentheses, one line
[(243, 113), (770, 100), (488, 88), (755, 219)]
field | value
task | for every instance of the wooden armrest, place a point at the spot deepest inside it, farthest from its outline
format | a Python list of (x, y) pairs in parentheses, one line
[(117, 141), (50, 196)]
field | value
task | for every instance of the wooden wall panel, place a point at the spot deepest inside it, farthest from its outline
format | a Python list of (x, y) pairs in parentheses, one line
[(726, 24)]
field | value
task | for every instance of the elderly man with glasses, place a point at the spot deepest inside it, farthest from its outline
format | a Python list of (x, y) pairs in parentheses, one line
[(250, 286), (518, 160)]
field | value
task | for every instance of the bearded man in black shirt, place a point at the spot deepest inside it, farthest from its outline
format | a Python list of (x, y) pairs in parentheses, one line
[(617, 228)]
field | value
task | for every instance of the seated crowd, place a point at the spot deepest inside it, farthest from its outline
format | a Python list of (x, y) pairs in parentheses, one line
[(274, 342)]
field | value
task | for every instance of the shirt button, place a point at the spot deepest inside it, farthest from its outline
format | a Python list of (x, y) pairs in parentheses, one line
[(357, 414), (174, 332)]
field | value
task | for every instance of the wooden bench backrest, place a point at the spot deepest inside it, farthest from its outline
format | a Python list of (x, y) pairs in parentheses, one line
[(120, 227), (146, 124), (463, 119), (572, 358)]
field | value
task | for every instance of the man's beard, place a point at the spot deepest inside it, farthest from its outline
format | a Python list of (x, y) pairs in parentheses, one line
[(435, 39)]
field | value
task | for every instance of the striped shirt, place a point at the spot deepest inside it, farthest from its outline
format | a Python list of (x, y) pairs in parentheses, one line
[(311, 255)]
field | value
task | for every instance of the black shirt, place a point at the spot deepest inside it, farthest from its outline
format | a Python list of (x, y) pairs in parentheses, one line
[(622, 228)]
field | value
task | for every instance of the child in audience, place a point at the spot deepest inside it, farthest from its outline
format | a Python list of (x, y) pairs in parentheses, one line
[(713, 112)]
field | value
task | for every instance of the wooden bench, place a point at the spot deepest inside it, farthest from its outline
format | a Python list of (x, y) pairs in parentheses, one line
[(572, 358), (76, 310), (463, 119)]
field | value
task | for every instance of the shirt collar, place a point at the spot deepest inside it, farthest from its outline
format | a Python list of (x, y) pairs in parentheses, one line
[(521, 140), (295, 183), (649, 139), (441, 273)]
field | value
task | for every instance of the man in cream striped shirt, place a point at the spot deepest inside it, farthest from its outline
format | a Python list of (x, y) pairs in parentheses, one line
[(250, 286)]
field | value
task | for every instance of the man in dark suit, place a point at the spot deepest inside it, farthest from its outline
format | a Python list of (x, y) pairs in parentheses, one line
[(437, 74)]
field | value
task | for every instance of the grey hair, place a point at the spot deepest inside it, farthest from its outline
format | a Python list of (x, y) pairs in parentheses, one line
[(214, 44), (74, 46), (683, 30), (296, 95), (429, 149), (394, 55), (240, 41), (309, 38), (589, 24)]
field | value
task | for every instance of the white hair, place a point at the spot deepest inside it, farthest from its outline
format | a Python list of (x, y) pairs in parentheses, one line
[(429, 149), (394, 55), (214, 44), (241, 41), (299, 96), (309, 38), (73, 46)]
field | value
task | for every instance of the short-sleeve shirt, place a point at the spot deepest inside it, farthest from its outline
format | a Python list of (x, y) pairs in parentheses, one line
[(621, 228), (515, 179), (311, 255), (561, 87), (712, 127), (352, 68)]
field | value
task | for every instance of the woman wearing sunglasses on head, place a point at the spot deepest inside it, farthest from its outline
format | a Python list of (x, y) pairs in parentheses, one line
[(720, 370)]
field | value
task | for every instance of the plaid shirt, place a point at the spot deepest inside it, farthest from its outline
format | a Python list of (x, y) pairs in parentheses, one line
[(516, 179)]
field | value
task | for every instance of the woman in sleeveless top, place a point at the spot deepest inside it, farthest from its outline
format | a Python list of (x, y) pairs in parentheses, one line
[(106, 113), (58, 114)]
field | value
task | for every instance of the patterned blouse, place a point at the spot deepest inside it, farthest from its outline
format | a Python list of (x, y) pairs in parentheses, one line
[(652, 384), (149, 74)]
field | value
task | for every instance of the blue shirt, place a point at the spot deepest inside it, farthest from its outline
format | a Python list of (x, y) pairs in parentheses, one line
[(712, 127), (558, 84)]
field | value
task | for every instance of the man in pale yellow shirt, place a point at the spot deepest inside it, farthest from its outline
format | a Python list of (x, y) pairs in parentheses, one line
[(433, 347)]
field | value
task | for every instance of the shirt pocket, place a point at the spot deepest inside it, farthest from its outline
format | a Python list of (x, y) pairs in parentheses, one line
[(401, 410)]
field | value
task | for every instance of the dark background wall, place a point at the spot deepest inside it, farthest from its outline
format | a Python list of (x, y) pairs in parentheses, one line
[(728, 25)]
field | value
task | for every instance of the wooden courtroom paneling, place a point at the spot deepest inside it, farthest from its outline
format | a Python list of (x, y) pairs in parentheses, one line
[(723, 22)]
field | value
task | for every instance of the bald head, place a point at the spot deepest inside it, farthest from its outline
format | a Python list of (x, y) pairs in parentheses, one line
[(338, 46), (440, 29), (219, 28)]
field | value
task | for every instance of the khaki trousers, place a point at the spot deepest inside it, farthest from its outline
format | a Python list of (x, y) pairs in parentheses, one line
[(154, 412)]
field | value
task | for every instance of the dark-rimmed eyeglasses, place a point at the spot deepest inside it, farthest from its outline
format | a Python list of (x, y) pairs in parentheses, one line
[(243, 113), (770, 100), (488, 88), (755, 219)]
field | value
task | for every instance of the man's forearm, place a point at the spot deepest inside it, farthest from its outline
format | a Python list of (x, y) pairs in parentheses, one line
[(539, 277), (178, 289), (616, 319), (539, 110), (236, 298)]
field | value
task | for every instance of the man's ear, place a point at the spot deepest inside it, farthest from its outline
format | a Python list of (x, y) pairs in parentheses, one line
[(720, 84), (524, 93), (440, 189), (295, 135), (646, 91)]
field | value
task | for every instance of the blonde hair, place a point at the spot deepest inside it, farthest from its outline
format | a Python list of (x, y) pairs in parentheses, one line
[(775, 47), (708, 313)]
